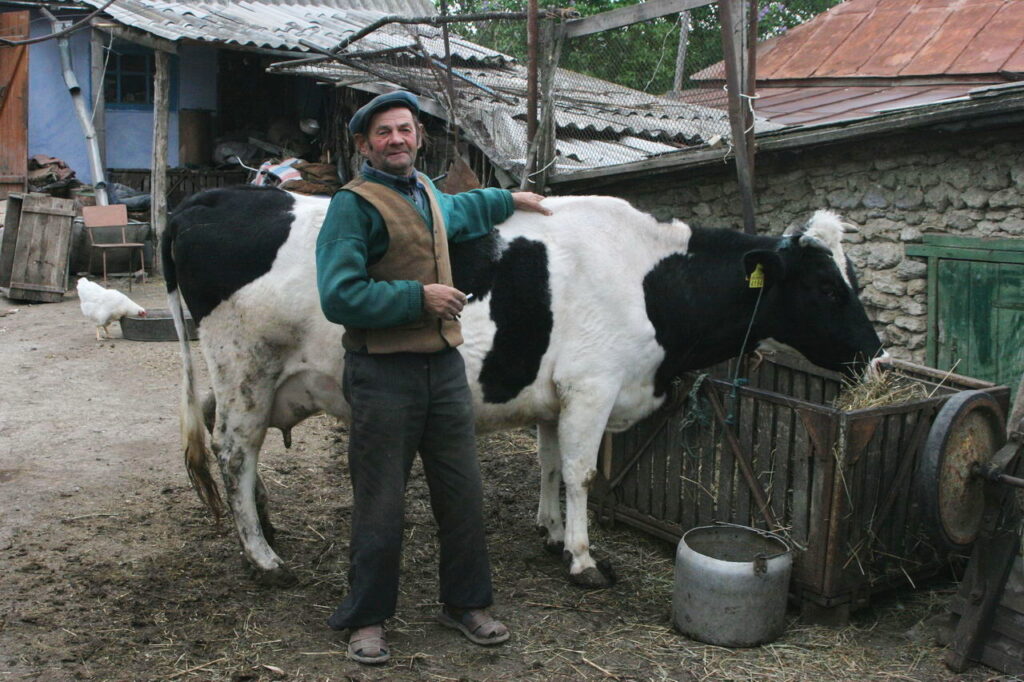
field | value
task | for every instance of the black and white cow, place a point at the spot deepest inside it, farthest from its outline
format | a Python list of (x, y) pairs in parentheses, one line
[(580, 322)]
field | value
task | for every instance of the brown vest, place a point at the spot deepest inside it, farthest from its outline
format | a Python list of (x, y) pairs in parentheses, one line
[(414, 253)]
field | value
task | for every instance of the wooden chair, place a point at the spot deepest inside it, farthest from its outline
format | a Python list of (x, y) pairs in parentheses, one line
[(109, 221)]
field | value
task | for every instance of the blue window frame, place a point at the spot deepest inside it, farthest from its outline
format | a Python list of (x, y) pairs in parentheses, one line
[(128, 77)]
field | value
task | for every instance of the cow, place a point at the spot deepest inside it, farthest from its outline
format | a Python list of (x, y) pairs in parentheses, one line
[(579, 322)]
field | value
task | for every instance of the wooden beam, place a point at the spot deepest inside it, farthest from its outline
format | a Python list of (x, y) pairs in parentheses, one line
[(135, 36), (735, 19), (158, 174), (625, 16), (684, 41)]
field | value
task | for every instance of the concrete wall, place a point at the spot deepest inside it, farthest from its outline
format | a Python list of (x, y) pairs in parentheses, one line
[(969, 184)]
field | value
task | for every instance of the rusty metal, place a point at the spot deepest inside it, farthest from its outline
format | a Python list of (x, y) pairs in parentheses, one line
[(966, 432)]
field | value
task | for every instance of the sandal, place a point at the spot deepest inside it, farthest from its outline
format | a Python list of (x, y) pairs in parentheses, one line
[(476, 624), (368, 645)]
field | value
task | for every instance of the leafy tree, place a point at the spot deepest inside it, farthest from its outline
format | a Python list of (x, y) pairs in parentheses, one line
[(641, 56)]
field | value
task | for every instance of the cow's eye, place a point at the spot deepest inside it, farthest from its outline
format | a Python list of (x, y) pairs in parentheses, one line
[(831, 293)]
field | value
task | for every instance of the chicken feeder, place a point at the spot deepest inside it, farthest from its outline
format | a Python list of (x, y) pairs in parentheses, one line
[(157, 325)]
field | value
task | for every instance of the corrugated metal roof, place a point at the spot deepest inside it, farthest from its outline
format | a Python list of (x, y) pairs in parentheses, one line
[(864, 57), (807, 105), (280, 25), (891, 39)]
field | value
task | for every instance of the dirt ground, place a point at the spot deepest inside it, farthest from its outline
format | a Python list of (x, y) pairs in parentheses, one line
[(110, 569)]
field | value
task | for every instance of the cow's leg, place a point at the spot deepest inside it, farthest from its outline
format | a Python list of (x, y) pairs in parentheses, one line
[(582, 422), (549, 509), (262, 498), (239, 436)]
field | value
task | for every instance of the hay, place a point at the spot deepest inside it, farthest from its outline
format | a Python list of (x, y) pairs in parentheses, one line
[(878, 390)]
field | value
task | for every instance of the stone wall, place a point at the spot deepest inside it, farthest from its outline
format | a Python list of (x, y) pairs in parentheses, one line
[(894, 189)]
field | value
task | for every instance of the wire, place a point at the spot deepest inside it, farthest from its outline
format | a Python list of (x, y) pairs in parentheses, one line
[(103, 77)]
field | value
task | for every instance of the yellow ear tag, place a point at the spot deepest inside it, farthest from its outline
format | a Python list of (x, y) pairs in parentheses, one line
[(756, 278)]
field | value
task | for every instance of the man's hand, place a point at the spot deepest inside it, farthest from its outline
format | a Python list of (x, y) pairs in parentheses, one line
[(443, 301), (528, 201)]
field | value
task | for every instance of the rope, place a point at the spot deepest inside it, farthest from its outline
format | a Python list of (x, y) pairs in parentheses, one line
[(736, 381)]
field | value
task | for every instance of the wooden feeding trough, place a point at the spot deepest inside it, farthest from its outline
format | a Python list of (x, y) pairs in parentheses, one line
[(844, 486)]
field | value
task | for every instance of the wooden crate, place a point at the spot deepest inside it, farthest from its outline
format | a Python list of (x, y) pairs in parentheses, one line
[(35, 249), (840, 484)]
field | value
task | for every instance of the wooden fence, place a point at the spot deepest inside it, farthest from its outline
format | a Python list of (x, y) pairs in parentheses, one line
[(181, 182)]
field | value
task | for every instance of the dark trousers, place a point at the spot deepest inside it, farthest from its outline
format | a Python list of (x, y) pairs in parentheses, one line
[(403, 403)]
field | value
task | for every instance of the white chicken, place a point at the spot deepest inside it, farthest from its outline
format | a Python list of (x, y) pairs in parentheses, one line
[(103, 306)]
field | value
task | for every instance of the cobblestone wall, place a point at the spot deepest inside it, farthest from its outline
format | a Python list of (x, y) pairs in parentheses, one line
[(894, 189)]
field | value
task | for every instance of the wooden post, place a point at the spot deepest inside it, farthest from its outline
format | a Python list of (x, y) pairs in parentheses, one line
[(684, 40), (531, 72), (552, 37), (158, 174), (98, 61), (736, 19)]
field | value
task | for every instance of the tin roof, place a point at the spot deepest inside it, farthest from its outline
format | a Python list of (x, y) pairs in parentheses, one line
[(864, 57), (900, 38)]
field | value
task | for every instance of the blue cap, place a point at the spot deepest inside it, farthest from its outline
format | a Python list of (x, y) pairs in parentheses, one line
[(398, 98)]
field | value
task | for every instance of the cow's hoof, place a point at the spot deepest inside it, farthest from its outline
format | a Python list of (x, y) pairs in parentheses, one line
[(594, 578), (281, 576)]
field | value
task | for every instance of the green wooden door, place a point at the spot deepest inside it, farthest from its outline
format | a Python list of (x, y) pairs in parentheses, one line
[(980, 319), (975, 306)]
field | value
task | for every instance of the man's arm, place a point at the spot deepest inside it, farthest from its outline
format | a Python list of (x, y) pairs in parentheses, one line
[(473, 214)]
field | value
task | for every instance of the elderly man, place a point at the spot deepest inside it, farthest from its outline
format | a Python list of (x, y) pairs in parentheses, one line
[(383, 271)]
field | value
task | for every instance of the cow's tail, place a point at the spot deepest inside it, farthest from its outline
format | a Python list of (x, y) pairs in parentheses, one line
[(193, 437)]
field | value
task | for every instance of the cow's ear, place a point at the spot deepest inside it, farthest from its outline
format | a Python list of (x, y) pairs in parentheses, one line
[(771, 264)]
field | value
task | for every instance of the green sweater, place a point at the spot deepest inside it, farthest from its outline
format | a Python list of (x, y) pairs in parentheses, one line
[(354, 237)]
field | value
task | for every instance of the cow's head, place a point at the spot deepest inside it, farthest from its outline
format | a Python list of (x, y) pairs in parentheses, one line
[(810, 298)]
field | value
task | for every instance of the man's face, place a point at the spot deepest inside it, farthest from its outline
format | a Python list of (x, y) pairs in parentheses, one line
[(391, 141)]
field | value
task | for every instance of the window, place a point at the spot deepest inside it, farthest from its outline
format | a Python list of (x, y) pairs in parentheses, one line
[(129, 79)]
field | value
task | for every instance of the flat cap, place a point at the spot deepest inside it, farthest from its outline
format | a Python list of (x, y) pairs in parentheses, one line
[(398, 98)]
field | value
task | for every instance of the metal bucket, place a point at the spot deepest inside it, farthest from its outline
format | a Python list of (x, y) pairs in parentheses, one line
[(731, 584)]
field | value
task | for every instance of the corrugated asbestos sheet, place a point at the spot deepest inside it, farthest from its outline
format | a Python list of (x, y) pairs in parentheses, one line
[(599, 123), (280, 25)]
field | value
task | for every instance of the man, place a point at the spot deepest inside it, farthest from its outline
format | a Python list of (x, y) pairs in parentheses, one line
[(383, 272)]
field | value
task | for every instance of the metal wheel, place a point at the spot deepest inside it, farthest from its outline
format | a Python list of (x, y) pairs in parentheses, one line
[(968, 430)]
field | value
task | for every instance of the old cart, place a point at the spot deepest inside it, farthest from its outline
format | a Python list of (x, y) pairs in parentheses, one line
[(771, 451)]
